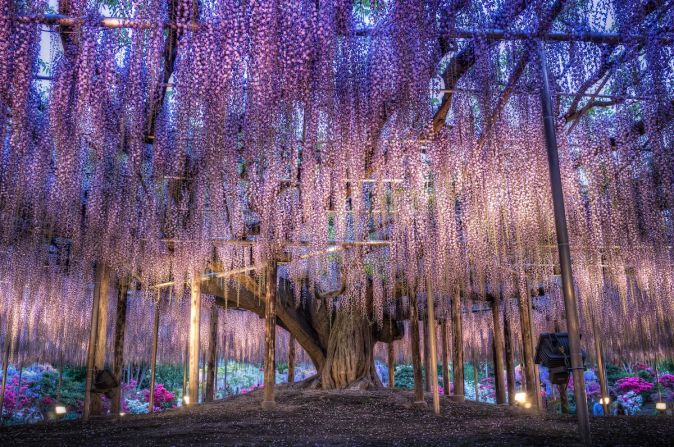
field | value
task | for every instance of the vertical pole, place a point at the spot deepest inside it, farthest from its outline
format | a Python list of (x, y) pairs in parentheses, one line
[(195, 323), (476, 382), (445, 357), (498, 351), (185, 362), (153, 363), (457, 347), (527, 344), (509, 358), (270, 337), (96, 405), (91, 348), (291, 359), (427, 371), (118, 355), (391, 365), (601, 369), (416, 353), (564, 255), (212, 349), (5, 358), (432, 348)]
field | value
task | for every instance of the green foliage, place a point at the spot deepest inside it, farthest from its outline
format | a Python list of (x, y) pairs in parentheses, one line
[(404, 376), (170, 375)]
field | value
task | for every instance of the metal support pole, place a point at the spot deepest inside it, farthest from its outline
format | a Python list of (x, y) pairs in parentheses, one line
[(564, 255), (432, 348), (153, 361)]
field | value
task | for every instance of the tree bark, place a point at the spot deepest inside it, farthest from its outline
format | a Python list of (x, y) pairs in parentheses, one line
[(118, 359), (432, 338), (212, 352), (91, 399), (427, 356)]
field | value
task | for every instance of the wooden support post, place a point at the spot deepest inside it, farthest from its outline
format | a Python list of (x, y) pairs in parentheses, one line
[(497, 340), (186, 357), (291, 359), (391, 365), (416, 353), (90, 399), (601, 369), (457, 345), (476, 382), (195, 323), (153, 361), (445, 358), (432, 348), (5, 357), (563, 398), (509, 358), (118, 355), (212, 350), (427, 370), (101, 337), (527, 347), (270, 337)]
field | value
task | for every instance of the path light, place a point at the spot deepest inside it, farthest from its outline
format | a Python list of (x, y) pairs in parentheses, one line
[(605, 400), (186, 400), (527, 405), (60, 410), (520, 397), (122, 414), (661, 406)]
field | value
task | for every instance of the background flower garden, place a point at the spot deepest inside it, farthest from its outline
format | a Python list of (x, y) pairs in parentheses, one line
[(32, 394)]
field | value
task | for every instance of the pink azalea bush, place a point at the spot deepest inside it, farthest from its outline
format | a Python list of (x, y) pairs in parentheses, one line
[(635, 384), (163, 398)]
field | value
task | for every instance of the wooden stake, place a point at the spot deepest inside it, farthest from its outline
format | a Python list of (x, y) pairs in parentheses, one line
[(291, 359), (118, 355), (433, 351), (93, 339), (153, 361), (195, 322), (5, 359), (527, 348), (445, 357), (212, 350), (391, 365), (498, 351), (270, 338), (416, 354), (457, 345), (509, 358), (427, 371)]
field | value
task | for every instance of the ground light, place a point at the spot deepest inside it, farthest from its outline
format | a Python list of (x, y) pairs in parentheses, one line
[(60, 410), (186, 400), (661, 406), (605, 401), (520, 397)]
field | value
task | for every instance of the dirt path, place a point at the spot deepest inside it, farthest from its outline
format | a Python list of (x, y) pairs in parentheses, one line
[(341, 418)]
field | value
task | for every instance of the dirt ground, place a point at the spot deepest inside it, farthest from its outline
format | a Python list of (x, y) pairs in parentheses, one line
[(320, 418)]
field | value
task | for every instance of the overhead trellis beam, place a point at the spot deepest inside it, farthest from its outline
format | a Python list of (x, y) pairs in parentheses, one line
[(486, 34)]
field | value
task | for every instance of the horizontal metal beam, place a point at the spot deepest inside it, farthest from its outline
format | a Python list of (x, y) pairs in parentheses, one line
[(488, 34)]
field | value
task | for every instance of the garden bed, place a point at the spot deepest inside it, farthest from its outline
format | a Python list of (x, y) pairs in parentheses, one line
[(305, 417)]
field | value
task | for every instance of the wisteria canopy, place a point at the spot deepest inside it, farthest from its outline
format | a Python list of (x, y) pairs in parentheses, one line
[(364, 146)]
